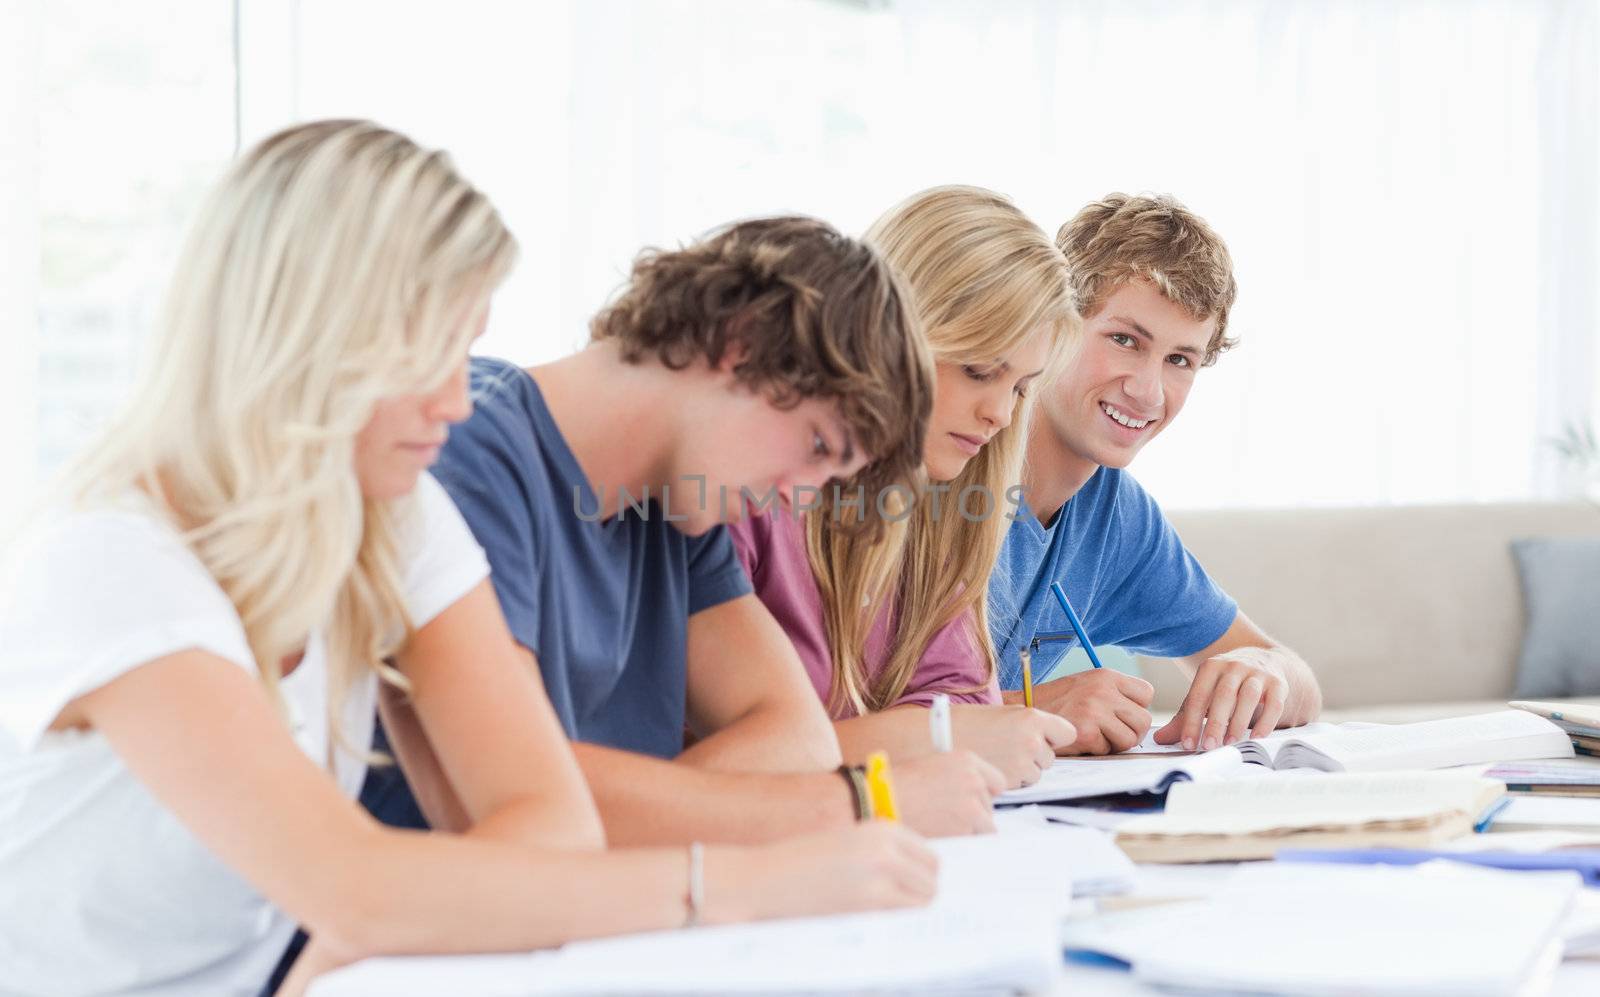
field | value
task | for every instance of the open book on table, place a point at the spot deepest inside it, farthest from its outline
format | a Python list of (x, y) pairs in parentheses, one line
[(1506, 736), (1509, 735), (1253, 818)]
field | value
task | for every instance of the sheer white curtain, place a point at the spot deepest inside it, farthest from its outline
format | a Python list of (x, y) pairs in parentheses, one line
[(19, 257), (1409, 192), (113, 118), (1408, 187)]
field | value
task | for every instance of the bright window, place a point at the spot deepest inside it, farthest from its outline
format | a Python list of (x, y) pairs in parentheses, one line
[(135, 120), (1408, 189)]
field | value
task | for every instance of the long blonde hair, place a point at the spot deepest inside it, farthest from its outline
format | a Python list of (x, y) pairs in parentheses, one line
[(984, 278), (337, 263)]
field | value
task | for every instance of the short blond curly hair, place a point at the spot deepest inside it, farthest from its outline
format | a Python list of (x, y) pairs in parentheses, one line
[(1152, 237)]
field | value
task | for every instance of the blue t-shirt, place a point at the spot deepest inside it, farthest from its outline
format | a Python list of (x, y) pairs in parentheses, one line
[(1128, 576), (604, 606)]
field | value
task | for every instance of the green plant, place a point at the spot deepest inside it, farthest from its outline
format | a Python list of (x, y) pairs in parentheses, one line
[(1578, 444), (1580, 449)]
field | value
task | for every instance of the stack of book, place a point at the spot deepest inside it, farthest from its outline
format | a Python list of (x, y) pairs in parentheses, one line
[(1582, 723), (1570, 777), (1253, 818)]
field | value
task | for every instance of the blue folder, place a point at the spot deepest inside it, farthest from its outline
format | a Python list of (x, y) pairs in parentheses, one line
[(1585, 862)]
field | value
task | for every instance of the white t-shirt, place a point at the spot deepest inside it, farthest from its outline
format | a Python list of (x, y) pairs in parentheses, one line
[(102, 890)]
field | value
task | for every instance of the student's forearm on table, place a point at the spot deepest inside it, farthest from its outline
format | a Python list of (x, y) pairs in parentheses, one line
[(541, 823), (902, 731), (546, 821), (469, 893), (647, 801), (775, 737), (748, 695)]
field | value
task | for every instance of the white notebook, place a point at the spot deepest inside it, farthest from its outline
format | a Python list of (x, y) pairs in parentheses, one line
[(1442, 929), (1549, 813), (1076, 778), (994, 925)]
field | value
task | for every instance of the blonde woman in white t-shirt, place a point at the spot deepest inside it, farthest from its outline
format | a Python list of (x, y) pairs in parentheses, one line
[(192, 641)]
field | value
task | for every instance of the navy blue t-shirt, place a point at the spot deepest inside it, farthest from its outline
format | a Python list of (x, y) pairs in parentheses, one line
[(1128, 576), (604, 606)]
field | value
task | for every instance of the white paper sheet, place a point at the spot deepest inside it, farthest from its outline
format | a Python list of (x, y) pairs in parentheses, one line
[(1438, 930), (993, 924)]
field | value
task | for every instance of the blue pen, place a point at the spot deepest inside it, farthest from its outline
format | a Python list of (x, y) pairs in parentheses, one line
[(1077, 627)]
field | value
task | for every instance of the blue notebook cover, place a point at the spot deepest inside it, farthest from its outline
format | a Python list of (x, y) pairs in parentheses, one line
[(1586, 863)]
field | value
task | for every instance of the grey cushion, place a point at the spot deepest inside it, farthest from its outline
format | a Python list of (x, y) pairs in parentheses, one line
[(1561, 589)]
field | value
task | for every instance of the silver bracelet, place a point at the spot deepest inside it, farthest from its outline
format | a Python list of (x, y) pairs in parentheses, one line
[(697, 883)]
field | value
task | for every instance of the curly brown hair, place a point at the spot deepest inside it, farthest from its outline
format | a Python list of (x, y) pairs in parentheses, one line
[(1151, 237), (810, 313)]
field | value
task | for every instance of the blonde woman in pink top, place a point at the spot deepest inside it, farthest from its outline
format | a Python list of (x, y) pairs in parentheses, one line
[(883, 625)]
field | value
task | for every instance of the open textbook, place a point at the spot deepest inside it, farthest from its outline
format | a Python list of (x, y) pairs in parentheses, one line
[(1509, 735), (1253, 818)]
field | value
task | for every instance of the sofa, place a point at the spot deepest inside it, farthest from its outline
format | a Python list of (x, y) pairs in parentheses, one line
[(1404, 613)]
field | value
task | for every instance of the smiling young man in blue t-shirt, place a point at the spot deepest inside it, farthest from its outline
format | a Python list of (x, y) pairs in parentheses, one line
[(1155, 285)]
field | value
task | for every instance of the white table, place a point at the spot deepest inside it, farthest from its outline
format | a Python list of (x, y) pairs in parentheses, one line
[(1574, 978)]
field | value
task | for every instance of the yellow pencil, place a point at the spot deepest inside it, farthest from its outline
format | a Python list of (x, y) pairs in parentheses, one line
[(1027, 678), (880, 788)]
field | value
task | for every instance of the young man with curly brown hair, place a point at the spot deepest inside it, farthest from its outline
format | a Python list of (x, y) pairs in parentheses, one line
[(770, 358)]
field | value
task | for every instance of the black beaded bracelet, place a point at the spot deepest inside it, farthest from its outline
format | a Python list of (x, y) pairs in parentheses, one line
[(856, 777)]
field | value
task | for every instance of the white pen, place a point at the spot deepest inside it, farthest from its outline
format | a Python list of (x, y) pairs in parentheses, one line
[(939, 722)]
